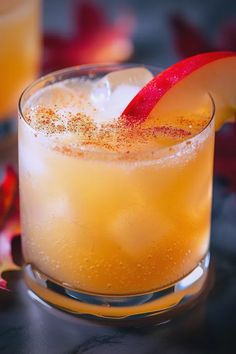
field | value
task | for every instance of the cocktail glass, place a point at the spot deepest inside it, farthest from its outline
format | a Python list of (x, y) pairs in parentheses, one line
[(111, 234)]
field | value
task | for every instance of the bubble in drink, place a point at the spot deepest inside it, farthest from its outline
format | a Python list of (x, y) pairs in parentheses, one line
[(136, 230)]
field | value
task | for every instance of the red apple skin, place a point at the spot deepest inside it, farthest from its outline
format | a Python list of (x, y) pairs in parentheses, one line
[(142, 104)]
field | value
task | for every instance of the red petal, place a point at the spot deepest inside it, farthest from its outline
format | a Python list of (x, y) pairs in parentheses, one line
[(3, 284), (7, 192), (94, 39), (10, 226), (188, 39), (89, 18)]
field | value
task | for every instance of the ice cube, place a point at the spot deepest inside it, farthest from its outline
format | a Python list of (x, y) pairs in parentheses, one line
[(55, 96), (113, 92), (132, 77), (110, 109), (65, 100), (60, 207), (138, 229)]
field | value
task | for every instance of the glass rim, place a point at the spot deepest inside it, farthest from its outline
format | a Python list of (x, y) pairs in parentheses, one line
[(56, 76)]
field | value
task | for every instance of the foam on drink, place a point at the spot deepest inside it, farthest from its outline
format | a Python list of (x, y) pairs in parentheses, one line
[(86, 114)]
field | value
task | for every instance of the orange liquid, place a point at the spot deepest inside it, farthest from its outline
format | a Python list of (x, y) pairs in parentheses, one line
[(19, 50), (115, 227)]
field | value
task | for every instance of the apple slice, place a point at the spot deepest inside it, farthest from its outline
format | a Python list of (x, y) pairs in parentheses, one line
[(181, 85)]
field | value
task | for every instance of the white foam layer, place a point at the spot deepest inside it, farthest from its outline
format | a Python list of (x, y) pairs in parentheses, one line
[(101, 100)]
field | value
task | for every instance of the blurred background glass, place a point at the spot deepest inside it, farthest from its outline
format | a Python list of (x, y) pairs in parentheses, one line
[(19, 54)]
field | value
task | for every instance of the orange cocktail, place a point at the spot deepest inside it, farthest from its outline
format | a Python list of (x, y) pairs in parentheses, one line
[(115, 218), (19, 50)]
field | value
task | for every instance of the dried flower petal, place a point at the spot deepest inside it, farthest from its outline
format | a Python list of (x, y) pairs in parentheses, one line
[(188, 39), (93, 40), (10, 225)]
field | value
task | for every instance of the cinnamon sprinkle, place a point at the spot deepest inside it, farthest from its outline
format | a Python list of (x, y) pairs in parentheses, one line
[(115, 136)]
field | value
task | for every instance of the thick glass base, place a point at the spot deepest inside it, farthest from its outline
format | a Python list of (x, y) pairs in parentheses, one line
[(123, 307)]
